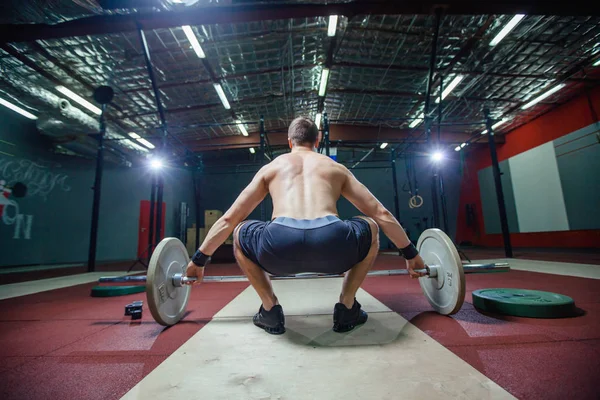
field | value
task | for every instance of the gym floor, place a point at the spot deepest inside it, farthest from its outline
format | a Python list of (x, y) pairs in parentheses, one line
[(58, 342), (124, 122)]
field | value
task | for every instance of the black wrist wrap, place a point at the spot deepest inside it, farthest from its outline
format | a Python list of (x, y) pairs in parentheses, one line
[(200, 259), (409, 252)]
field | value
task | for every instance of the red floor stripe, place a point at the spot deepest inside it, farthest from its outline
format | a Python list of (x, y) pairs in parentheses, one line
[(531, 358), (64, 344)]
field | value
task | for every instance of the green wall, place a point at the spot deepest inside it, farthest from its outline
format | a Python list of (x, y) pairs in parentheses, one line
[(218, 191), (59, 201)]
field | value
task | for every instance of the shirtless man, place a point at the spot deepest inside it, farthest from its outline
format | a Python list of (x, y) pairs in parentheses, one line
[(305, 233)]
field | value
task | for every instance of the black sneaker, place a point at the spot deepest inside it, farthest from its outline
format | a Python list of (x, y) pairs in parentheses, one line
[(345, 319), (272, 321)]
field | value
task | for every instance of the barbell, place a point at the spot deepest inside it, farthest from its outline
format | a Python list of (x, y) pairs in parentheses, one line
[(168, 289)]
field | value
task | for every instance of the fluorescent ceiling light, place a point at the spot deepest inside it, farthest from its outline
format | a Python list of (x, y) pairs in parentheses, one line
[(145, 143), (79, 99), (597, 63), (417, 121), (457, 148), (450, 87), (318, 120), (383, 145), (17, 109), (137, 146), (323, 85), (332, 25), (463, 145), (252, 150), (507, 28), (221, 94), (543, 96), (242, 128), (189, 33), (140, 139), (497, 124)]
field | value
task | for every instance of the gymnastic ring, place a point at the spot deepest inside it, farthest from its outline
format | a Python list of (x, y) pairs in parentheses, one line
[(415, 201)]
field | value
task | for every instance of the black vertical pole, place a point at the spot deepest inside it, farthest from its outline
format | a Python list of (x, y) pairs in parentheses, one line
[(197, 204), (432, 58), (161, 114), (440, 175), (326, 133), (498, 183), (434, 197), (97, 191), (152, 213), (443, 201), (263, 211), (395, 184), (436, 33), (159, 209), (439, 128)]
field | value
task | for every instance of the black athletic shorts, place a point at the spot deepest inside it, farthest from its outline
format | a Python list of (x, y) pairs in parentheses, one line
[(287, 246)]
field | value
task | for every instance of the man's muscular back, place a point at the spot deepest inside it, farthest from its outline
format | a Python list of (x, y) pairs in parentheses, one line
[(304, 185)]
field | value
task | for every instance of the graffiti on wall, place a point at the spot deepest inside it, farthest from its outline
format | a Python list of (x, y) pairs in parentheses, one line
[(20, 178), (38, 178)]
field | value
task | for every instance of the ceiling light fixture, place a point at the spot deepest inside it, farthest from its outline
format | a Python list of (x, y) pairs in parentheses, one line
[(323, 85), (417, 121), (146, 143), (543, 96), (241, 127), (17, 109), (222, 96), (450, 87), (76, 98), (497, 124), (191, 36), (141, 140), (507, 28), (333, 19)]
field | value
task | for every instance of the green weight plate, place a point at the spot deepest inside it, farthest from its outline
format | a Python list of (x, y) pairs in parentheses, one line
[(524, 303), (110, 291)]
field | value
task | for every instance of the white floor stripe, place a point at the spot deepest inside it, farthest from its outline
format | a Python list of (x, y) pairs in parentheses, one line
[(387, 358), (42, 285), (551, 267)]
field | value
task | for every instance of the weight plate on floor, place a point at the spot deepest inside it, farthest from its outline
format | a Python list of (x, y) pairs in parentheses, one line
[(524, 303), (167, 302), (446, 292), (110, 291)]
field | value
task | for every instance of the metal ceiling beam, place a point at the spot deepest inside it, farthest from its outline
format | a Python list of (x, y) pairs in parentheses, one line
[(240, 75), (410, 68), (109, 24), (338, 132)]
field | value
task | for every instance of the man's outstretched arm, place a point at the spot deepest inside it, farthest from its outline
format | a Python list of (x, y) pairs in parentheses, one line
[(358, 194), (363, 199), (246, 202)]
